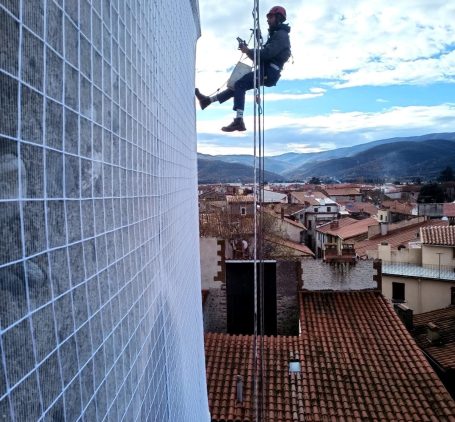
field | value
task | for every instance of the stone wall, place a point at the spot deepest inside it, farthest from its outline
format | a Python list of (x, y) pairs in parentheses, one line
[(100, 302), (318, 275), (288, 279)]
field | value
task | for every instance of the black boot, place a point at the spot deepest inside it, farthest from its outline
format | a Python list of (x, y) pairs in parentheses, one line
[(237, 124), (204, 101)]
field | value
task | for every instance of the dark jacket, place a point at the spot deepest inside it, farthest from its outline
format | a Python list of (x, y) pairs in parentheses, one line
[(277, 49)]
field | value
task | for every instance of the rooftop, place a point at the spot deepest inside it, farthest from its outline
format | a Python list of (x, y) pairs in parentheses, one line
[(438, 272), (395, 238), (358, 362), (438, 235), (353, 229), (444, 354), (398, 207), (345, 191)]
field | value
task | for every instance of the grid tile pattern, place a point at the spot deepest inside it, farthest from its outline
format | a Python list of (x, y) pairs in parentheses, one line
[(100, 306)]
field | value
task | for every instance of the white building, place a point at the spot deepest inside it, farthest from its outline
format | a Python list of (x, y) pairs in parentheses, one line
[(100, 299)]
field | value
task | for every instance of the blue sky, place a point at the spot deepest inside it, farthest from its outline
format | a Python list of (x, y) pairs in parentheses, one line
[(361, 71)]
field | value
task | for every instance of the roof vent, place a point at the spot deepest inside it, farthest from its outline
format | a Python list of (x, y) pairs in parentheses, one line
[(433, 333), (239, 388), (294, 366)]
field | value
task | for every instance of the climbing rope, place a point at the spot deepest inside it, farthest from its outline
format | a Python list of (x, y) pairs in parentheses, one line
[(259, 370)]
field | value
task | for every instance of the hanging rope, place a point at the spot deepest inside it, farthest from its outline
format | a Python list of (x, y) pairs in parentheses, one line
[(259, 370)]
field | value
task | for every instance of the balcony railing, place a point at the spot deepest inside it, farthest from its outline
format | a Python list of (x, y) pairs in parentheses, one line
[(441, 272)]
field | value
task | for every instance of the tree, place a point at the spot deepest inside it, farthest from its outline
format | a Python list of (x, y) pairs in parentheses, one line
[(315, 181), (446, 175), (431, 193)]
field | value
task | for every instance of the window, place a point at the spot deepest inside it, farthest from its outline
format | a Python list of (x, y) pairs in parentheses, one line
[(309, 224), (453, 253), (329, 209), (316, 209), (398, 292), (243, 211), (452, 296)]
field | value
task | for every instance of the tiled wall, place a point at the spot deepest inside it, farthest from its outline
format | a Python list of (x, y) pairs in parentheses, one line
[(100, 304)]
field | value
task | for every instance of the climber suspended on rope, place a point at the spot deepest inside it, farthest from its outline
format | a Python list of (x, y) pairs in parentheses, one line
[(272, 57)]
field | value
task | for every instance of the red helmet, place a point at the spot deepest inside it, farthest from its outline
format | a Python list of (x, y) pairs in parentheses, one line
[(277, 10)]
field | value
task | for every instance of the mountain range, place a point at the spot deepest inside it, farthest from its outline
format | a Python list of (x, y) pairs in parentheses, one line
[(394, 158)]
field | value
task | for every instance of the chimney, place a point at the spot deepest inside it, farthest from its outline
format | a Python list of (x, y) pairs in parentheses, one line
[(239, 388), (384, 228), (406, 315), (334, 224), (433, 333), (377, 265)]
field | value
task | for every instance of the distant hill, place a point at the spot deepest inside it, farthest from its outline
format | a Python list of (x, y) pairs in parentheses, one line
[(216, 171), (415, 156), (397, 160)]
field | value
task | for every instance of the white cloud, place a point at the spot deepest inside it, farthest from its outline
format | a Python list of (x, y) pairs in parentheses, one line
[(359, 42), (286, 133)]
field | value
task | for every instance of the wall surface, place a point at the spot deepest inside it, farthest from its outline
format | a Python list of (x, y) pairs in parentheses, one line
[(421, 295), (318, 275), (100, 302)]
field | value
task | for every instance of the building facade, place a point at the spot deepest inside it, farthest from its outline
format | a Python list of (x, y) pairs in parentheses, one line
[(100, 303)]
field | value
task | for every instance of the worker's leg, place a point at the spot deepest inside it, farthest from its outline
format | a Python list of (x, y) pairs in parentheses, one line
[(241, 86), (225, 95)]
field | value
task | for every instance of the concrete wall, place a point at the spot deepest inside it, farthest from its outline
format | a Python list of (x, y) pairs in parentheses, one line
[(210, 262), (318, 275), (430, 255), (405, 255), (421, 295), (100, 302)]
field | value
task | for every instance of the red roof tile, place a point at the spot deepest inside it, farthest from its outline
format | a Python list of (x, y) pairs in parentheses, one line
[(358, 362), (336, 224), (345, 191), (355, 228), (438, 235), (444, 354), (360, 207), (398, 207)]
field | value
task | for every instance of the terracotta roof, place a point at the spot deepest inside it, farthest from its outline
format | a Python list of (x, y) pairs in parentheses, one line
[(342, 191), (358, 207), (356, 228), (227, 356), (438, 235), (399, 207), (358, 363), (342, 222), (395, 238), (444, 354), (449, 209)]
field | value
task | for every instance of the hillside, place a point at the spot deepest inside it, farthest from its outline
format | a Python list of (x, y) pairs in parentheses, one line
[(423, 159), (290, 163), (216, 171)]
